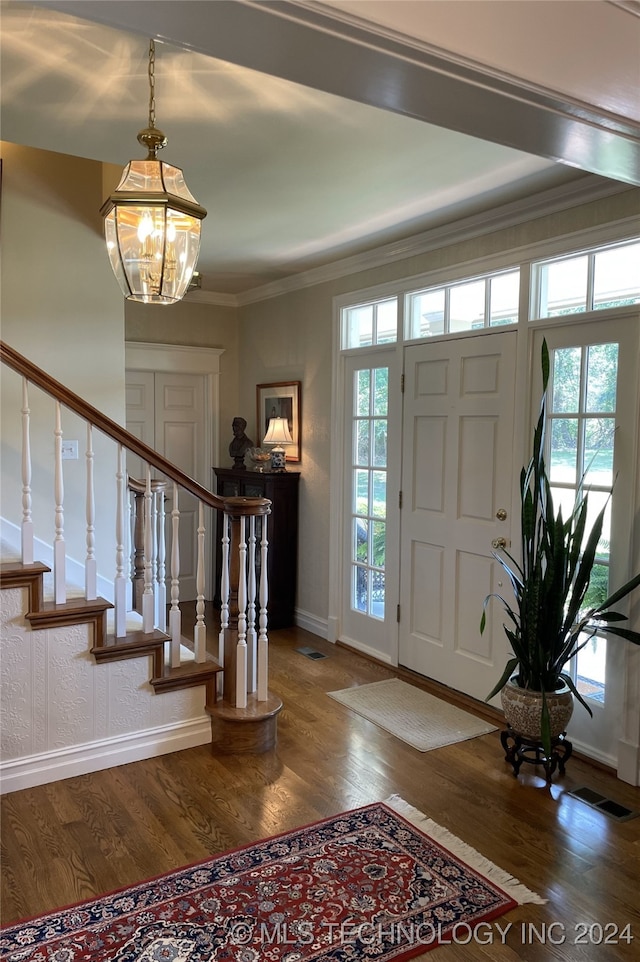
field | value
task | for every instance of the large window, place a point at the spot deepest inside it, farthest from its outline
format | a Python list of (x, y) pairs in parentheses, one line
[(590, 281)]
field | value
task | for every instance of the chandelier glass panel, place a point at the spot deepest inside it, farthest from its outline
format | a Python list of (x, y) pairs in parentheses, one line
[(152, 222)]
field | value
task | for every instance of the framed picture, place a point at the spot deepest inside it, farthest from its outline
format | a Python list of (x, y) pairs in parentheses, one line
[(280, 400)]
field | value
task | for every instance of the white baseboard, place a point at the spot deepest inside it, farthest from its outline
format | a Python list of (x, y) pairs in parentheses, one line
[(317, 626), (590, 752), (16, 774)]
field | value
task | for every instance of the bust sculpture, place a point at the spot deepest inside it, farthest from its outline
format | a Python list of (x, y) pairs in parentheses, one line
[(240, 443)]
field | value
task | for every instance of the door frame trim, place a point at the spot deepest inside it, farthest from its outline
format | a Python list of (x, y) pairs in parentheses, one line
[(182, 359)]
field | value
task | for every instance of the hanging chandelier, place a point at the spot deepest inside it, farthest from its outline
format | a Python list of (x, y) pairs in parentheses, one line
[(152, 221)]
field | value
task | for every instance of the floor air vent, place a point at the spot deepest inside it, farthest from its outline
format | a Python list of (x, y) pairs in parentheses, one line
[(311, 653), (620, 812)]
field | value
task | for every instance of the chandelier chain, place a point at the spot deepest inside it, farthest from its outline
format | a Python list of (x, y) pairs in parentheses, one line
[(152, 83)]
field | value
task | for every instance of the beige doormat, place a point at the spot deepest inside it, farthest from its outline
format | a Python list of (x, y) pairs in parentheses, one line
[(418, 718)]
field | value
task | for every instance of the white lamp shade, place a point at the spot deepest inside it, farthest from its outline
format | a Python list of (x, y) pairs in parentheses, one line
[(278, 432), (152, 228)]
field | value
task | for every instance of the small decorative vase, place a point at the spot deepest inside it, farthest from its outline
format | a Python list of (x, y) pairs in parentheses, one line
[(522, 709)]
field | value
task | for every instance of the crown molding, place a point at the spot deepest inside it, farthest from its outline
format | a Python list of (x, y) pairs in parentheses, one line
[(587, 189), (211, 297)]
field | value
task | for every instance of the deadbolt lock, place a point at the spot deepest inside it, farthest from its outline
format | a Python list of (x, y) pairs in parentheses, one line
[(501, 514)]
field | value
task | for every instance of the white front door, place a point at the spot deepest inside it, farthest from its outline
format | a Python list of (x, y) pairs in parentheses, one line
[(457, 498), (167, 412)]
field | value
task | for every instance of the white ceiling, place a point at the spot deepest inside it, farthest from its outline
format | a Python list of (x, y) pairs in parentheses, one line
[(292, 177)]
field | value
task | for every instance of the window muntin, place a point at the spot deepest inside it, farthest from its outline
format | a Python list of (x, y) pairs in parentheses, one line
[(466, 305), (367, 324), (590, 281)]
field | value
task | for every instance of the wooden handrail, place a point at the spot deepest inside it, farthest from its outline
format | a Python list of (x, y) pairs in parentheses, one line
[(20, 364)]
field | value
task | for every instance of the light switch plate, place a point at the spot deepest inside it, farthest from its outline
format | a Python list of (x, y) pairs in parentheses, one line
[(69, 450)]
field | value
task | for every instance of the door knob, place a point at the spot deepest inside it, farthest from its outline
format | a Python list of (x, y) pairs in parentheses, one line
[(499, 543), (501, 514)]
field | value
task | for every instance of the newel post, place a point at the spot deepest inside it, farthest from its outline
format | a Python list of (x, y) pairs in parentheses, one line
[(238, 585), (243, 720)]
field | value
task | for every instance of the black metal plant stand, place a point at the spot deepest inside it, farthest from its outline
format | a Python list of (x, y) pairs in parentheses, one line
[(519, 749)]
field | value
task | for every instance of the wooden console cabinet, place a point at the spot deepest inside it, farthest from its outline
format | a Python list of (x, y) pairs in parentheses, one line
[(281, 488)]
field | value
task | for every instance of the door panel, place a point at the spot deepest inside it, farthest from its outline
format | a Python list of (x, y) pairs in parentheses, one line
[(458, 438), (140, 401), (166, 411)]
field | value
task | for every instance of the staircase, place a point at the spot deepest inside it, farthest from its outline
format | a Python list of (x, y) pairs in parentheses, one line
[(242, 712)]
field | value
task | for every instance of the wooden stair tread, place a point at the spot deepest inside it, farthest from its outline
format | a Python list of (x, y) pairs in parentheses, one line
[(12, 570), (77, 604), (186, 675), (72, 612), (15, 574), (133, 645)]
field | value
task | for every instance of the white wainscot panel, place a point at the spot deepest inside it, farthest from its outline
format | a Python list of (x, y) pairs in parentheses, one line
[(69, 684), (16, 736)]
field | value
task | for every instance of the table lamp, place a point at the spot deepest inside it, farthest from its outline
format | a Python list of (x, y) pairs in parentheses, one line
[(278, 434)]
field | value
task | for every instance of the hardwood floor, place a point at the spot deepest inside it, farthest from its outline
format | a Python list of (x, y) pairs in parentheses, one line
[(87, 835)]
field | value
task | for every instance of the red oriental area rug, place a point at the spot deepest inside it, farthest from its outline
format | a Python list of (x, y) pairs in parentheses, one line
[(373, 884)]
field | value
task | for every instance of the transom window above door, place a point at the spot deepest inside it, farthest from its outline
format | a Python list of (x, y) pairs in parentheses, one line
[(365, 325), (490, 300), (592, 280)]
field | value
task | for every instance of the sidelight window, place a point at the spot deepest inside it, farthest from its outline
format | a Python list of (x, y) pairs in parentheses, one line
[(582, 415)]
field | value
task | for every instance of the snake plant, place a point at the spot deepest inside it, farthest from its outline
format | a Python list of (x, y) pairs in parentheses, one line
[(548, 624)]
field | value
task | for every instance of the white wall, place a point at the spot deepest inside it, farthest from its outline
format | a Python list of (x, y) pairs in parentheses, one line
[(62, 308)]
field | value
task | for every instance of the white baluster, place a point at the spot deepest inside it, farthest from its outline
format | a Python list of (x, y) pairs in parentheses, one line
[(252, 654), (27, 521), (120, 582), (241, 648), (175, 615), (263, 639), (59, 552), (161, 588), (200, 630), (129, 499), (154, 553), (224, 596), (148, 604), (90, 565)]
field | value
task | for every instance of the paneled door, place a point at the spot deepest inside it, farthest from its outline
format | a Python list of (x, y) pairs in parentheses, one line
[(457, 495), (167, 411)]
